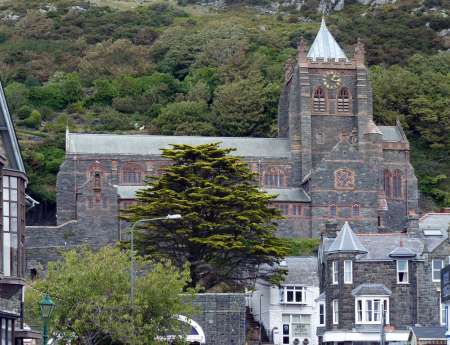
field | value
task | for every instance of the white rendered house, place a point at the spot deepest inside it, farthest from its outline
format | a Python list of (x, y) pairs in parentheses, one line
[(290, 313)]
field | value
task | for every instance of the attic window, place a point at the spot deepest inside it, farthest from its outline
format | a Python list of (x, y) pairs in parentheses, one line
[(319, 100), (432, 232)]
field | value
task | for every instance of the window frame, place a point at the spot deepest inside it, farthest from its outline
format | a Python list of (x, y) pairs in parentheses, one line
[(343, 97), (433, 270), (398, 271), (335, 272), (322, 314), (284, 289), (335, 311), (346, 271), (383, 301), (319, 99)]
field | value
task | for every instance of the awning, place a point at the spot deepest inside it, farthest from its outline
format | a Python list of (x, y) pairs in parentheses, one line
[(332, 336)]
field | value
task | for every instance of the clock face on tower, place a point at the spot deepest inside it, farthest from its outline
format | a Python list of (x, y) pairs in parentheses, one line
[(332, 80)]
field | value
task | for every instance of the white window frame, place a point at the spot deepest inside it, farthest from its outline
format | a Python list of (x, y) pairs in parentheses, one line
[(407, 272), (363, 320), (335, 307), (433, 270), (322, 314), (443, 314), (335, 272), (348, 272), (292, 288)]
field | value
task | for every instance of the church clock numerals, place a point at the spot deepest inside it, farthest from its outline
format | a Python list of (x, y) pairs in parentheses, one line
[(331, 80)]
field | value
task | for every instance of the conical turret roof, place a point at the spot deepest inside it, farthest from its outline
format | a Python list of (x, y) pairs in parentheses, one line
[(325, 46), (347, 242)]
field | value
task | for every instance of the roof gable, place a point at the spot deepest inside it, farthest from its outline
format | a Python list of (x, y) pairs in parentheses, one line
[(9, 145), (325, 46)]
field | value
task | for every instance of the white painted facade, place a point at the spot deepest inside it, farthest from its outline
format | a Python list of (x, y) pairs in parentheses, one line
[(302, 318)]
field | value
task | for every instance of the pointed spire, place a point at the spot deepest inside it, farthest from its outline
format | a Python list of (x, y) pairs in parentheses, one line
[(347, 242), (325, 46)]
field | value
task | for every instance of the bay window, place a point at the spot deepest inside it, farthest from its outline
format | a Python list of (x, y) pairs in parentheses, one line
[(348, 272), (10, 225), (368, 310), (322, 314), (335, 272), (335, 307), (292, 294), (437, 265)]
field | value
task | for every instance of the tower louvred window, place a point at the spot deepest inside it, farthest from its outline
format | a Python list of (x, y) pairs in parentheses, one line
[(343, 102), (319, 100)]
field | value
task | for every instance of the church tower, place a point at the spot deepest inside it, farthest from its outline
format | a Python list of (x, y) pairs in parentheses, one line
[(337, 151)]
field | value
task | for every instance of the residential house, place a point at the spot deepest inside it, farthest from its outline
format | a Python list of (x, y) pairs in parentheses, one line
[(289, 313)]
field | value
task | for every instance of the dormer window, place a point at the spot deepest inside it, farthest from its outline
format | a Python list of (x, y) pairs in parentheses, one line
[(292, 294), (319, 104), (343, 101), (402, 272)]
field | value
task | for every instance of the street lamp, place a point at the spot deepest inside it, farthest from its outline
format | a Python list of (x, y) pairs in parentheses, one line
[(46, 306), (143, 220)]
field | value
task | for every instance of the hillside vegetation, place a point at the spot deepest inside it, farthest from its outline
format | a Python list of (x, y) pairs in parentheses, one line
[(171, 69)]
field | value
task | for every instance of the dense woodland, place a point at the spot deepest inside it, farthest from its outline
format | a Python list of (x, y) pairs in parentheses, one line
[(178, 69)]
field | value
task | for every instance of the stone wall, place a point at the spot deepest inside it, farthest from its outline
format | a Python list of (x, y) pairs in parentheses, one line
[(222, 317)]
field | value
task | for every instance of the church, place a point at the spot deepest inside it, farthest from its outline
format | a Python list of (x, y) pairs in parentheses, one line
[(330, 161)]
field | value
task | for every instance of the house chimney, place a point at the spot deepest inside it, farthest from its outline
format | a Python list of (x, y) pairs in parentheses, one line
[(413, 226), (331, 229)]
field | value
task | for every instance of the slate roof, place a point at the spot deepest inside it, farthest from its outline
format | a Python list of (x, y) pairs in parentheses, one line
[(402, 252), (429, 332), (391, 133), (346, 242), (289, 194), (379, 246), (302, 270), (136, 144), (325, 46), (435, 221), (371, 290), (128, 192)]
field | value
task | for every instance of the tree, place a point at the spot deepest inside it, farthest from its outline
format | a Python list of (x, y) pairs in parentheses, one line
[(240, 108), (227, 233), (91, 291)]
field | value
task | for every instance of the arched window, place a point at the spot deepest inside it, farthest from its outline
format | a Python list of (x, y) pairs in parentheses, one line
[(397, 184), (387, 183), (333, 211), (355, 210), (96, 173), (132, 174), (319, 104), (343, 101), (274, 177)]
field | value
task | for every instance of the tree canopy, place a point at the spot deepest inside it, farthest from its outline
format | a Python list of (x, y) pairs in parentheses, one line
[(91, 291), (227, 233)]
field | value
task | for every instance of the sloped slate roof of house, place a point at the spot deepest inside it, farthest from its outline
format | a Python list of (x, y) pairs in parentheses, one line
[(302, 270), (347, 242), (429, 332), (325, 46), (379, 246), (371, 290), (390, 133), (289, 194), (435, 221), (135, 144), (402, 252)]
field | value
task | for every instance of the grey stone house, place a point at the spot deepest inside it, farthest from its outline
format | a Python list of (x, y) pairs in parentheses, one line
[(329, 162), (12, 234), (372, 278)]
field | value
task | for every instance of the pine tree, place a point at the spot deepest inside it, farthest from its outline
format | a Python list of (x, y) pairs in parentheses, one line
[(227, 230)]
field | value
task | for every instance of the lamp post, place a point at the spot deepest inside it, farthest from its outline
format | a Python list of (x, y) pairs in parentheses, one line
[(46, 306), (260, 321), (132, 273)]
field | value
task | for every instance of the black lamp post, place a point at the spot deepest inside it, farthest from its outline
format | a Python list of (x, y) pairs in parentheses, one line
[(46, 306)]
